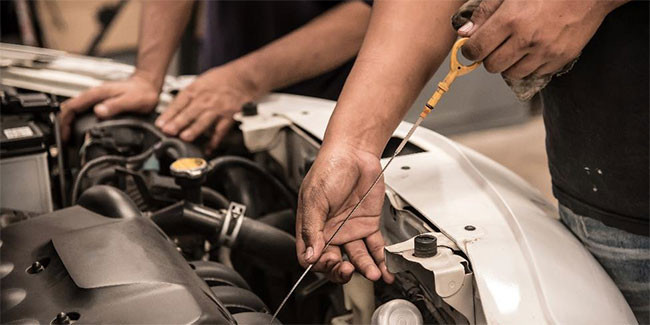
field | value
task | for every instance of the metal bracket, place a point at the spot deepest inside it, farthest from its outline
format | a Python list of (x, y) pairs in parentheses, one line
[(234, 215), (450, 280)]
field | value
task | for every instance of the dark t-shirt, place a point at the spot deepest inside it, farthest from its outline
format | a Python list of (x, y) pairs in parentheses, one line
[(596, 119), (236, 28)]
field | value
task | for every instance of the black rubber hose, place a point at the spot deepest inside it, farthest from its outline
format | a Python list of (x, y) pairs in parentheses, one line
[(215, 197), (109, 202), (266, 243), (284, 220), (224, 161), (168, 141), (137, 159), (217, 274)]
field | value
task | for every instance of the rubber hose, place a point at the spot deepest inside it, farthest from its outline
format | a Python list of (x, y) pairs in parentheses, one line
[(284, 220), (213, 196), (267, 243), (221, 162), (139, 158)]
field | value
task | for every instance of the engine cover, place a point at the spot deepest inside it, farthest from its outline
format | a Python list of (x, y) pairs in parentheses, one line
[(97, 269)]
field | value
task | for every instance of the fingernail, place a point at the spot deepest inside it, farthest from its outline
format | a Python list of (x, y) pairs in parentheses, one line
[(160, 123), (309, 253), (466, 28), (185, 136), (170, 129), (101, 109)]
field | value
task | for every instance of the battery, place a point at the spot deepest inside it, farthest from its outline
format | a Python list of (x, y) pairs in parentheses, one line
[(24, 172)]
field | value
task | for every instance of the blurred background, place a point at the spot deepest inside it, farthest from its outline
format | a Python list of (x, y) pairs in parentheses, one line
[(480, 112)]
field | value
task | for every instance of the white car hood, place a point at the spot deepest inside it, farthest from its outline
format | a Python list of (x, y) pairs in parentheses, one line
[(528, 267)]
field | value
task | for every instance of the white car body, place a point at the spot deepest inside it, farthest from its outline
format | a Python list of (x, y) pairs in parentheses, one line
[(527, 267)]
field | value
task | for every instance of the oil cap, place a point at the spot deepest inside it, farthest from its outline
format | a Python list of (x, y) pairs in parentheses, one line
[(425, 246), (249, 109), (191, 168)]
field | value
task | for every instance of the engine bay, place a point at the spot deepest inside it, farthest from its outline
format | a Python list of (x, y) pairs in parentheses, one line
[(133, 226)]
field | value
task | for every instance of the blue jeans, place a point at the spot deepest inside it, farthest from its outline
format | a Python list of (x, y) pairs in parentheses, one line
[(625, 257)]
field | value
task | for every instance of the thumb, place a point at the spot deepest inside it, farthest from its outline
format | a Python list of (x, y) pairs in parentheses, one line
[(478, 12), (310, 223)]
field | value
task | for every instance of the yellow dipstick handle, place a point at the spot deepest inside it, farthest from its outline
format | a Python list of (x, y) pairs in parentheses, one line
[(455, 69)]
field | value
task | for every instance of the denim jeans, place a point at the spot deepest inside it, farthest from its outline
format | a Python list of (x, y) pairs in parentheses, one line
[(625, 257)]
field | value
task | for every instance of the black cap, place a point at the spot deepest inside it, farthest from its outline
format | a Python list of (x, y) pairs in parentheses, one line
[(425, 246), (249, 109)]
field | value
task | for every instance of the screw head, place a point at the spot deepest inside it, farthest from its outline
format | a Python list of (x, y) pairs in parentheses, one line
[(470, 228)]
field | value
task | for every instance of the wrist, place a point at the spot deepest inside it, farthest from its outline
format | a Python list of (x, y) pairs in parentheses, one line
[(155, 80), (250, 78)]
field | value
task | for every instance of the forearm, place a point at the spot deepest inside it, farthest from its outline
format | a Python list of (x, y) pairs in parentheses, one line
[(323, 44), (161, 25), (405, 43)]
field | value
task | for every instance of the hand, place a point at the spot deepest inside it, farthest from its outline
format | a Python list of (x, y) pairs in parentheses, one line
[(536, 37), (335, 183), (136, 94), (209, 102)]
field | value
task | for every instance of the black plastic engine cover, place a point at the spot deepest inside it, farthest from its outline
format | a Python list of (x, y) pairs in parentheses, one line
[(99, 270)]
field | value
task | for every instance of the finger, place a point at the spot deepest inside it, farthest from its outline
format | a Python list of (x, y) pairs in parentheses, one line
[(376, 244), (487, 37), (220, 130), (330, 258), (199, 125), (182, 99), (65, 119), (341, 272), (360, 258), (505, 56), (310, 220), (183, 118), (524, 67), (123, 103), (479, 12), (553, 67), (89, 98)]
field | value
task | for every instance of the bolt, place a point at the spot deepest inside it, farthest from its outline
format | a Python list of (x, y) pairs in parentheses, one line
[(36, 267), (425, 246), (470, 228), (62, 318)]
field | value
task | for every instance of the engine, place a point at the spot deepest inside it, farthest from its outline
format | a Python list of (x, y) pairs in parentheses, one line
[(132, 226)]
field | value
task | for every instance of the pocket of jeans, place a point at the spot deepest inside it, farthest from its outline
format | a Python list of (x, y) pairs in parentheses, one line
[(598, 233)]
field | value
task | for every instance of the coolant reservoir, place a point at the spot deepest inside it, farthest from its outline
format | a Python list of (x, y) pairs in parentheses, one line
[(397, 312)]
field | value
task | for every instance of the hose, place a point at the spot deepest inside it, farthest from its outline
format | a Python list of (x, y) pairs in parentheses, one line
[(269, 245), (139, 158), (221, 162), (215, 197), (169, 142)]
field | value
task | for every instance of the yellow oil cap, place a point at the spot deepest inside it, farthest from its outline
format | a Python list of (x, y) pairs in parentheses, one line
[(188, 167)]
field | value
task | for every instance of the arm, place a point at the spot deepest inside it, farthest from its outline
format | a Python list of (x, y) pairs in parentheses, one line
[(161, 25), (405, 44), (324, 43)]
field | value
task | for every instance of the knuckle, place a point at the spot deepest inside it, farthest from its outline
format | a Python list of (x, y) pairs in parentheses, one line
[(526, 42), (490, 65), (482, 11)]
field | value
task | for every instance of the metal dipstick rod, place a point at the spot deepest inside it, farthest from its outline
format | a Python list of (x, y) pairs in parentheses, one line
[(456, 69)]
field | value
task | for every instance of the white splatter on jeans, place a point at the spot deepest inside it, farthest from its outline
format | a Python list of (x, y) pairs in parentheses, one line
[(625, 257)]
